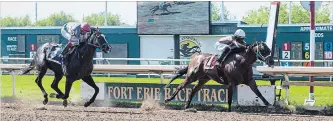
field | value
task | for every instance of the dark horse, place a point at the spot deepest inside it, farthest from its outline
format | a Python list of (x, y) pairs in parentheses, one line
[(163, 8), (236, 70), (79, 67)]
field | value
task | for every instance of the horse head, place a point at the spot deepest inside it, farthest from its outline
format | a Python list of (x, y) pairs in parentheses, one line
[(98, 40), (262, 52)]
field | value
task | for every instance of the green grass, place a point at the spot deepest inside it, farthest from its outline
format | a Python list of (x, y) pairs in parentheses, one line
[(27, 88)]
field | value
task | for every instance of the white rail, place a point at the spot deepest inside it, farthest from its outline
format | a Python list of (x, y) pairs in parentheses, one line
[(151, 59), (111, 68), (138, 59), (296, 71), (159, 69)]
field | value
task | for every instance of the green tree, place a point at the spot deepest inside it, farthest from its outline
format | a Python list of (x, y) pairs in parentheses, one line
[(216, 15), (15, 21), (56, 19), (299, 15), (98, 19)]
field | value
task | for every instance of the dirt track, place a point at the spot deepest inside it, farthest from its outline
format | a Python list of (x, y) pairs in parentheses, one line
[(35, 111)]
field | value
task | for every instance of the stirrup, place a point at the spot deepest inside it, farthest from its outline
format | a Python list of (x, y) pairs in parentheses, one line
[(64, 69), (219, 63)]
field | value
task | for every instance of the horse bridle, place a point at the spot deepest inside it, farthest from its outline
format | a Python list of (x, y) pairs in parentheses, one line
[(97, 35), (258, 52)]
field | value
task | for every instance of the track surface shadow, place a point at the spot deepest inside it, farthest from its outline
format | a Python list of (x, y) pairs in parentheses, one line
[(92, 111)]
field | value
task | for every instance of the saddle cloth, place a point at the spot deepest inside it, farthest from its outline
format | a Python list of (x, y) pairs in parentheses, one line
[(211, 62), (52, 54)]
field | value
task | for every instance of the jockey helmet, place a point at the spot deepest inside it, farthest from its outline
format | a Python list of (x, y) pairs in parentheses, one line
[(85, 27), (239, 33)]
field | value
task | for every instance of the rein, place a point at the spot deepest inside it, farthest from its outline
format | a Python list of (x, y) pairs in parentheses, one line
[(258, 52)]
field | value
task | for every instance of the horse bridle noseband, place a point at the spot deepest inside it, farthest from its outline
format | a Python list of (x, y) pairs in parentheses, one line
[(90, 43), (258, 53)]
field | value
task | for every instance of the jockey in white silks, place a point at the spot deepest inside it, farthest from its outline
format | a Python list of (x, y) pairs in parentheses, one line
[(74, 32), (230, 44)]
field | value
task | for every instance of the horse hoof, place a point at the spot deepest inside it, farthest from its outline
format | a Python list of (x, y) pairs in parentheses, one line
[(59, 96), (53, 95), (270, 107), (191, 110), (186, 106), (45, 101), (87, 104), (65, 103), (166, 100)]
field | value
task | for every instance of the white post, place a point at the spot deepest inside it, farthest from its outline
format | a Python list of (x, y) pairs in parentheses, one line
[(0, 32), (310, 101), (222, 11), (286, 79), (331, 3), (14, 83), (161, 77), (35, 12), (290, 13), (106, 14)]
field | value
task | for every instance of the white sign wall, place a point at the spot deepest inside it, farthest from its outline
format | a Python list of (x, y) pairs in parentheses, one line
[(247, 97), (87, 91), (156, 47)]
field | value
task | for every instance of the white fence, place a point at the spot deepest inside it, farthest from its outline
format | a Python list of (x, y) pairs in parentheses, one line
[(148, 60), (172, 60), (300, 71), (159, 69)]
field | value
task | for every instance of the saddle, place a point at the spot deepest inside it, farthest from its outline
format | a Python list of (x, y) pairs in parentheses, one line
[(211, 62), (69, 53), (53, 50)]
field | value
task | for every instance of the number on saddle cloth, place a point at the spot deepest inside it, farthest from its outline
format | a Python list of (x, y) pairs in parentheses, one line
[(210, 63)]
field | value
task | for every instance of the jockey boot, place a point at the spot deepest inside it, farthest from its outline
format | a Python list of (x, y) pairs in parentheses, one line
[(64, 59), (65, 51), (223, 56), (64, 69)]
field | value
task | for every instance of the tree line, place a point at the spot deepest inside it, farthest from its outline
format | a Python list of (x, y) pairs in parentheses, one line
[(258, 16), (299, 15), (59, 19)]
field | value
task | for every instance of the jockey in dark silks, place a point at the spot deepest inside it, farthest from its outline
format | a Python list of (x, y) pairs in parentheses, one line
[(230, 44)]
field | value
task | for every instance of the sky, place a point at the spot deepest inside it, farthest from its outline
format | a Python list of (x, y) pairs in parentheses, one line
[(126, 9)]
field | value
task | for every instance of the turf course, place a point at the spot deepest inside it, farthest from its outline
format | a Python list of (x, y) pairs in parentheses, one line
[(27, 88)]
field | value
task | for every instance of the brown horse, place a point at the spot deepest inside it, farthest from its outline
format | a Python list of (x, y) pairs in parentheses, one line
[(236, 70)]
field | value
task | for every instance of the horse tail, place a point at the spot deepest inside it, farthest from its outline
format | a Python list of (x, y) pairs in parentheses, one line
[(29, 68), (182, 71), (179, 73)]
